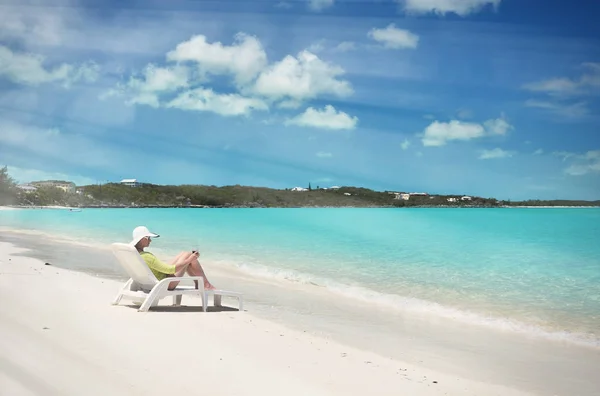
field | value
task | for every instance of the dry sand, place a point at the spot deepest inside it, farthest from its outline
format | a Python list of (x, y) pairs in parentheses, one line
[(60, 336)]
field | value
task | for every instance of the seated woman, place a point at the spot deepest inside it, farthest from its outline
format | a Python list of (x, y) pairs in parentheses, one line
[(184, 262)]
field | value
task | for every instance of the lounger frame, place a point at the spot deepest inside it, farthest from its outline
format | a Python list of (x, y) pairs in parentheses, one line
[(143, 287)]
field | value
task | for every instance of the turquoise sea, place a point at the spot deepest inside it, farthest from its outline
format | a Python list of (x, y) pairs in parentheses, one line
[(529, 270)]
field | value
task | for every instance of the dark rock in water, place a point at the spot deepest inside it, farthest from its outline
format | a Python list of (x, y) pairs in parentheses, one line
[(47, 264), (435, 382)]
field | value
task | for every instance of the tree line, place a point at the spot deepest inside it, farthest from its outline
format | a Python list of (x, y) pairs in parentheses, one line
[(152, 195)]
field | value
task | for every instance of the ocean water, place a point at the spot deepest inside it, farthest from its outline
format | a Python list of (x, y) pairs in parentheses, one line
[(534, 271)]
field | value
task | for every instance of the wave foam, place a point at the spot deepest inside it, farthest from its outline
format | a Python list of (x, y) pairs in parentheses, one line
[(417, 306)]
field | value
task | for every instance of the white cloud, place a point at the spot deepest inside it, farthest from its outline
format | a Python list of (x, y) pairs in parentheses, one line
[(283, 5), (495, 153), (573, 110), (202, 99), (152, 82), (286, 83), (439, 133), (323, 154), (345, 46), (243, 60), (553, 85), (319, 5), (318, 46), (25, 175), (442, 7), (405, 144), (28, 69), (587, 83), (583, 164), (392, 37), (18, 22), (328, 118), (301, 78), (498, 126), (538, 152)]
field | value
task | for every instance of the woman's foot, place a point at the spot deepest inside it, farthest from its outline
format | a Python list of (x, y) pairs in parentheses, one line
[(208, 286)]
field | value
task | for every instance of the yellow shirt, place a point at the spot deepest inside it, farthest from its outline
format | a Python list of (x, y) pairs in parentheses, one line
[(158, 268)]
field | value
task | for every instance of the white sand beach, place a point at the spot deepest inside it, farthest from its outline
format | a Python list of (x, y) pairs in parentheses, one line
[(61, 336)]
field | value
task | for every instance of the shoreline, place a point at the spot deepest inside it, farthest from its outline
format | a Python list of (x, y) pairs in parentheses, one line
[(79, 208), (442, 345), (61, 350), (330, 289)]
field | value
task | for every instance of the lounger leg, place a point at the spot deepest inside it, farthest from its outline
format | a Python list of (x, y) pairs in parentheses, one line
[(152, 299), (120, 295), (177, 299), (241, 303), (217, 300)]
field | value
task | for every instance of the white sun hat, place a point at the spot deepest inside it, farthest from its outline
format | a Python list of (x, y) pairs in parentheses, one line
[(141, 232)]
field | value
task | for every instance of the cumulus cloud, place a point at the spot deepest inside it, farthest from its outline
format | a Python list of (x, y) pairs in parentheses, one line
[(300, 78), (202, 99), (394, 38), (498, 126), (442, 7), (319, 5), (538, 152), (286, 83), (328, 118), (495, 154), (152, 81), (439, 133), (29, 69), (244, 59), (405, 144)]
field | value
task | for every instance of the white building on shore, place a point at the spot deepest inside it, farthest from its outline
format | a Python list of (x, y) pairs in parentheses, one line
[(130, 182)]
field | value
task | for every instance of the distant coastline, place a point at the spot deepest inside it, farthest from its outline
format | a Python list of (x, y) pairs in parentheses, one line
[(133, 194), (78, 208)]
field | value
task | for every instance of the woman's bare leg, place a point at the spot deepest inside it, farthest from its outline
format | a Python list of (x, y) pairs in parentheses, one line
[(179, 257), (183, 257), (195, 269)]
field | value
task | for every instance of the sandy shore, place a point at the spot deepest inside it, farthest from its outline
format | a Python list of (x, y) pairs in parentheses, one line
[(61, 336)]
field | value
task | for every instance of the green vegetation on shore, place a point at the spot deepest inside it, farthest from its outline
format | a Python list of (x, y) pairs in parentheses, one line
[(151, 195)]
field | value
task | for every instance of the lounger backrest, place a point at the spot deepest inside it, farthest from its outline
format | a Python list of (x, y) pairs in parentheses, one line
[(134, 264)]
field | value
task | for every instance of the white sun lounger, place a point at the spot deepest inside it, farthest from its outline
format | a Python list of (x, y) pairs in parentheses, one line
[(143, 286)]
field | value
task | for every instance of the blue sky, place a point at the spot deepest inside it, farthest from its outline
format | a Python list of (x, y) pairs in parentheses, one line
[(496, 98)]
